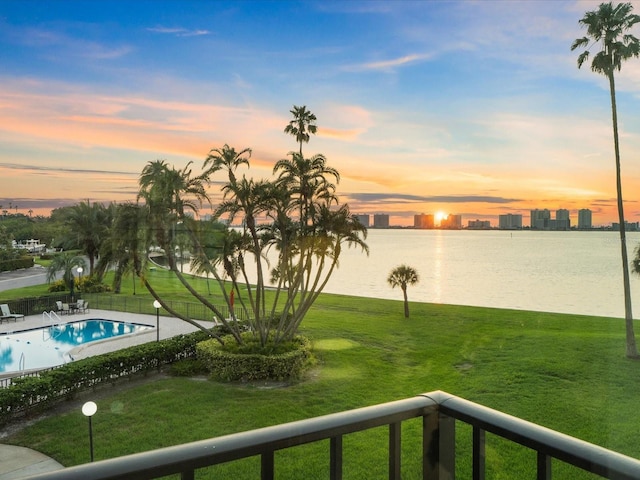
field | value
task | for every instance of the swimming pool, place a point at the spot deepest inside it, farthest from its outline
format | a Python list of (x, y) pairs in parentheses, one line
[(49, 346)]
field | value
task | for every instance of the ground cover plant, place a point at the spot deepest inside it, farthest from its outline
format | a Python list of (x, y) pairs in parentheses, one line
[(565, 372)]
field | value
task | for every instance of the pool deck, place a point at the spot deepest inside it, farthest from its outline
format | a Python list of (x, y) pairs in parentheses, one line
[(19, 462), (169, 327)]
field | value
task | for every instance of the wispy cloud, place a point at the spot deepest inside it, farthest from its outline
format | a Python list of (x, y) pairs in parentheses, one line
[(405, 198), (390, 64), (59, 45), (179, 31), (44, 168)]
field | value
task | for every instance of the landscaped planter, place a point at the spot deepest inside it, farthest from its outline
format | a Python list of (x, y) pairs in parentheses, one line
[(227, 363)]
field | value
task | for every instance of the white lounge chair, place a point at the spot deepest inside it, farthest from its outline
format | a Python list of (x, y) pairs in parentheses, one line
[(65, 309), (6, 313)]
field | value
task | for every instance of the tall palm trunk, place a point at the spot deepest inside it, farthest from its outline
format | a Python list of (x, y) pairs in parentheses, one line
[(632, 350)]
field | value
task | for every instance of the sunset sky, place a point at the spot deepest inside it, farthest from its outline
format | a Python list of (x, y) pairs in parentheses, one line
[(474, 108)]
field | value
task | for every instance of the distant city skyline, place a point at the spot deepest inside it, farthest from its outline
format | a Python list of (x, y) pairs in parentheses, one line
[(468, 108)]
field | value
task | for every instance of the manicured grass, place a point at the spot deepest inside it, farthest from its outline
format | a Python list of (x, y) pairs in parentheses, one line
[(565, 372)]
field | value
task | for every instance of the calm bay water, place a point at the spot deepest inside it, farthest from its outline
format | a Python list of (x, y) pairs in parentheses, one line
[(566, 272)]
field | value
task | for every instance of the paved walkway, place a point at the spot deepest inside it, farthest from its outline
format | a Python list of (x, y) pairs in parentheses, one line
[(19, 462)]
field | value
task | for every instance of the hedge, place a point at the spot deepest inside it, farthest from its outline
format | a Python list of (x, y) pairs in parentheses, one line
[(16, 264), (229, 366), (51, 386)]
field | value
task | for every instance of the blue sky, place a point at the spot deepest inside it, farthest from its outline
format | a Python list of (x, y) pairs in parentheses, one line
[(474, 108)]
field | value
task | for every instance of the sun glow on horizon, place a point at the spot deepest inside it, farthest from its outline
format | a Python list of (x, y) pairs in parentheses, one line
[(440, 215)]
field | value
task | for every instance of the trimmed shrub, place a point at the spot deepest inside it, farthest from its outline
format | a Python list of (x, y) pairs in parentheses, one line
[(189, 367), (50, 386), (231, 362), (16, 264)]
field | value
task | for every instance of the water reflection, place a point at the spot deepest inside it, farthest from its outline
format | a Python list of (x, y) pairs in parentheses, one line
[(438, 259)]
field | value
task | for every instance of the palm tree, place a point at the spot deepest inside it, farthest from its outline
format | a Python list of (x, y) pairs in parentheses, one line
[(124, 245), (87, 225), (402, 277), (609, 26), (168, 193), (226, 157), (65, 263), (308, 180), (302, 125)]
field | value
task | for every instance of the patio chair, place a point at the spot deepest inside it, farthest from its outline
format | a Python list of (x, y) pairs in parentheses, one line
[(6, 313), (58, 306), (82, 306), (65, 309)]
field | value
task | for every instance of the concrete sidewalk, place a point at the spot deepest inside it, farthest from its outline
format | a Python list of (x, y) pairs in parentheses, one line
[(19, 462)]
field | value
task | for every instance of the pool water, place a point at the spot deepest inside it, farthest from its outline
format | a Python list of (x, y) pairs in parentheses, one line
[(49, 346)]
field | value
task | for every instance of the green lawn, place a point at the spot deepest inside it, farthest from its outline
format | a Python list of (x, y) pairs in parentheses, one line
[(565, 372)]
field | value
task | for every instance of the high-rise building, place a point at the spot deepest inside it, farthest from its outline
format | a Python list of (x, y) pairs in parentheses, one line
[(363, 219), (563, 221), (423, 221), (381, 220), (452, 222), (479, 224), (510, 221), (540, 219), (584, 219), (628, 226)]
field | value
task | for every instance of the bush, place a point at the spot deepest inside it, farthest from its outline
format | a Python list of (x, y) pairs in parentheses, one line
[(16, 264), (84, 285), (232, 362), (189, 367), (36, 393), (57, 286), (91, 285)]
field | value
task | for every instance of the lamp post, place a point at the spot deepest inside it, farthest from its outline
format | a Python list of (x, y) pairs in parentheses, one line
[(80, 270), (156, 305), (88, 410)]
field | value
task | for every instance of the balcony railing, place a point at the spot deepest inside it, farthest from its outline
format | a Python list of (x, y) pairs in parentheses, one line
[(439, 412)]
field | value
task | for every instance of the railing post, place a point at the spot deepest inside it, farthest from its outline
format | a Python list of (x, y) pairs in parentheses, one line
[(187, 475), (395, 435), (438, 447), (544, 467), (478, 453), (335, 462), (267, 465)]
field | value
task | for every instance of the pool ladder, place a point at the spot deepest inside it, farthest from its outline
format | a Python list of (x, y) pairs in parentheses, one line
[(51, 315), (21, 362)]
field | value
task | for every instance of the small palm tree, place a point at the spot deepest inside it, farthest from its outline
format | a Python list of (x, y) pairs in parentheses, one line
[(402, 277), (65, 263)]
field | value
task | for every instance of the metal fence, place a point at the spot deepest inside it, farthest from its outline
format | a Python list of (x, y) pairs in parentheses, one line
[(439, 412), (46, 303), (192, 310)]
